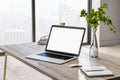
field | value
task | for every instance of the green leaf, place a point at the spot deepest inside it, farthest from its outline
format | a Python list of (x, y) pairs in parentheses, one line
[(94, 18), (112, 28), (109, 22), (83, 13)]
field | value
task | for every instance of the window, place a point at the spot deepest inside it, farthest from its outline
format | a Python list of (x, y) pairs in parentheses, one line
[(49, 12), (16, 18), (15, 21)]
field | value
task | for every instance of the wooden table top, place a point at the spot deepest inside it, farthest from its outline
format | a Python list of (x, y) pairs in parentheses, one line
[(63, 72)]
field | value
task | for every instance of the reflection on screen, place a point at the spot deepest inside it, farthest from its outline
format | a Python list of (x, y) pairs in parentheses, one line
[(65, 40)]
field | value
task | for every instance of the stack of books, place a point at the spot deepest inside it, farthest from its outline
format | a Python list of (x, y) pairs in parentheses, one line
[(2, 53)]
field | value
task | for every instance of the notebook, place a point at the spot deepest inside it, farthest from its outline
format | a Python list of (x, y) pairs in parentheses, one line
[(64, 44), (96, 71)]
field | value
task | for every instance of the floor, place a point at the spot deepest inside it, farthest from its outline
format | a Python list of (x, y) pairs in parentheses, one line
[(16, 70)]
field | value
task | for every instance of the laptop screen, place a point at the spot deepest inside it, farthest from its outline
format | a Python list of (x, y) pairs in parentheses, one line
[(65, 39)]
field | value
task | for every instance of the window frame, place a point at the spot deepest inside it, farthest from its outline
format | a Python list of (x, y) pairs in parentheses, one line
[(34, 23)]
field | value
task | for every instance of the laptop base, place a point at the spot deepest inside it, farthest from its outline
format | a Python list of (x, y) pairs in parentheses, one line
[(49, 59)]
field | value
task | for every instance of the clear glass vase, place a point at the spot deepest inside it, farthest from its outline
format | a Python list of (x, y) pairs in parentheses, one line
[(94, 45)]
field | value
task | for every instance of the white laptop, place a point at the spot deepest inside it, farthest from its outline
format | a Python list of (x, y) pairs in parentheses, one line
[(64, 44)]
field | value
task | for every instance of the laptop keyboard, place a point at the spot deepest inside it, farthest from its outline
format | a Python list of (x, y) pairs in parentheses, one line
[(63, 57)]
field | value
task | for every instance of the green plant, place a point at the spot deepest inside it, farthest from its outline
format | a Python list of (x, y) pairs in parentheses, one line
[(94, 18)]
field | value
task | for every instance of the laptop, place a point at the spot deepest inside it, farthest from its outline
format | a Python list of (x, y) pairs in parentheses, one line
[(64, 44)]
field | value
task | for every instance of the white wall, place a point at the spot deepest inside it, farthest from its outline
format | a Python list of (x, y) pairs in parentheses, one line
[(106, 36)]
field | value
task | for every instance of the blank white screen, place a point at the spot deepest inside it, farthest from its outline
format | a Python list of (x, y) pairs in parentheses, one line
[(65, 40)]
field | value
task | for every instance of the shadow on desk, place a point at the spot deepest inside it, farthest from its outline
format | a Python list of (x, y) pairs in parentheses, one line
[(117, 78)]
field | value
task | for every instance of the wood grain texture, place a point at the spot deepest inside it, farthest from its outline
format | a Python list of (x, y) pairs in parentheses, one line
[(62, 72)]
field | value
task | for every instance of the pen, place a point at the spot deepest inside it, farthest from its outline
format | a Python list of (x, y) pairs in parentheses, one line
[(93, 70)]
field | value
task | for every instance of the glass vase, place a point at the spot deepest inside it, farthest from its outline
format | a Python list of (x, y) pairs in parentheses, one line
[(94, 45)]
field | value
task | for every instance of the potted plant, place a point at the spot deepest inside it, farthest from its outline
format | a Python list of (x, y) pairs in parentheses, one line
[(93, 18)]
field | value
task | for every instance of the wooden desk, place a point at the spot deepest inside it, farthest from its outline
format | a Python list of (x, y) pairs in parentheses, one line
[(60, 72)]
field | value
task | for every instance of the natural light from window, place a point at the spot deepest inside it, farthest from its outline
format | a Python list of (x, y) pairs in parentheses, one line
[(49, 12)]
